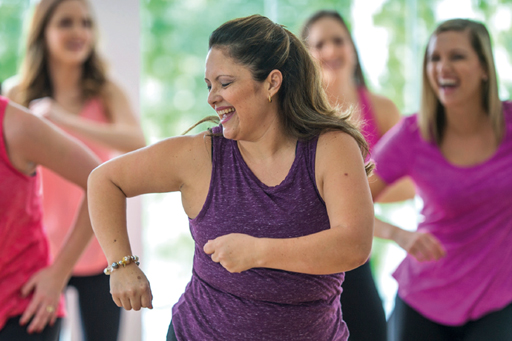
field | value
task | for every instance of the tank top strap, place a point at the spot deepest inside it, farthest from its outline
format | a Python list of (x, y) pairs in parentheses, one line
[(365, 104), (369, 127), (309, 151)]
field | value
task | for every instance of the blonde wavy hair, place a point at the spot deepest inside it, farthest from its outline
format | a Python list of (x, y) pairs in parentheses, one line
[(432, 118)]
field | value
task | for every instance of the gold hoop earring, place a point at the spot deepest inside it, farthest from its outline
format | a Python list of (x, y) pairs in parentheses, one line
[(269, 98)]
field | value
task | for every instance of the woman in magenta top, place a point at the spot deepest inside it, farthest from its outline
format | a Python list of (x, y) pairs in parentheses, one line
[(329, 41), (456, 281), (30, 300), (63, 79), (277, 197)]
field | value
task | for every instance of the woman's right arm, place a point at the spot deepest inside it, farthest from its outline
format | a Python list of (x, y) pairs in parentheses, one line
[(30, 142), (421, 245), (175, 164)]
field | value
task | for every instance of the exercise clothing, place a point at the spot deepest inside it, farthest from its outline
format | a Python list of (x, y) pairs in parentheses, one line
[(23, 242), (467, 208), (260, 303), (62, 199), (369, 127)]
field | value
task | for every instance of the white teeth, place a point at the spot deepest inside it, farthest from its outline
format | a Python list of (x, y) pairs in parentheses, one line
[(225, 111), (447, 82)]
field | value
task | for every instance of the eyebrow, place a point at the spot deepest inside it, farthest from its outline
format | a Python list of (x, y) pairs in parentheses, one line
[(216, 78)]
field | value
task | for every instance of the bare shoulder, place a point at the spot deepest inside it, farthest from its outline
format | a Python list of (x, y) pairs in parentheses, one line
[(386, 112), (337, 151), (112, 92), (336, 141), (24, 134), (21, 123), (10, 88), (184, 154)]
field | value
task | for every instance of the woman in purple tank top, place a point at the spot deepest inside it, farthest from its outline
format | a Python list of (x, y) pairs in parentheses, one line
[(277, 197)]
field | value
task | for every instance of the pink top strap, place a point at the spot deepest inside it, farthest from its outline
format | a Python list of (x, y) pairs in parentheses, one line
[(369, 127)]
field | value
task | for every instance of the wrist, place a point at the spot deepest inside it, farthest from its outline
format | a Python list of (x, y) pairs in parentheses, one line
[(259, 253), (125, 261)]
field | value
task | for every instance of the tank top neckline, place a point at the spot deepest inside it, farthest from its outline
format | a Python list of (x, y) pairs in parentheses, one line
[(289, 177)]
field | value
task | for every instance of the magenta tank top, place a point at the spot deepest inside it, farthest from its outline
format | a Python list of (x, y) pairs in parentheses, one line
[(369, 127), (23, 243), (261, 303)]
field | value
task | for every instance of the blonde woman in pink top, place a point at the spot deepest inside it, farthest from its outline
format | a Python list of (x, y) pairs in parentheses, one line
[(63, 79), (31, 304), (456, 281)]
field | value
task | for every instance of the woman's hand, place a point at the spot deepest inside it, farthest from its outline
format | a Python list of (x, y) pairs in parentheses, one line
[(421, 245), (47, 286), (236, 252), (130, 288), (46, 107)]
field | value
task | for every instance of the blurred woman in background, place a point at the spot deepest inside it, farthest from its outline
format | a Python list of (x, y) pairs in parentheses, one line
[(329, 41), (31, 304), (456, 281), (63, 79)]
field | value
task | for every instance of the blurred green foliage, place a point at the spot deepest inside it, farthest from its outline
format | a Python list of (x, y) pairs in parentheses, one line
[(12, 14)]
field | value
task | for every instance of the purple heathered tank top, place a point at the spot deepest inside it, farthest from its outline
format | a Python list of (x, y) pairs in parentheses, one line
[(258, 304)]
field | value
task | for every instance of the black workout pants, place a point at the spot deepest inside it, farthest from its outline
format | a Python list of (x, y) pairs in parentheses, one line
[(362, 307), (12, 331), (406, 324), (99, 315)]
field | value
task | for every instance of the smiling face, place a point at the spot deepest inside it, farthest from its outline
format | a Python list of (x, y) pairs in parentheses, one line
[(68, 34), (454, 70), (329, 42), (240, 101)]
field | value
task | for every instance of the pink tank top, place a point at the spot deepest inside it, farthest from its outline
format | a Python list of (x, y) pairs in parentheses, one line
[(61, 200), (369, 127), (23, 242)]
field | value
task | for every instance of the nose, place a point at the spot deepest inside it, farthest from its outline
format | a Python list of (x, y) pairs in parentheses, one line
[(327, 51), (443, 65), (213, 97)]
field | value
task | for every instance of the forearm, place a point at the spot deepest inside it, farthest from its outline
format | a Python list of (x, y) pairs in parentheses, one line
[(107, 205), (326, 252), (400, 191), (124, 138)]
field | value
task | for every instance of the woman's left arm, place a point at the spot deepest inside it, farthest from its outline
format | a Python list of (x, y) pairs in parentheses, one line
[(342, 183), (123, 133)]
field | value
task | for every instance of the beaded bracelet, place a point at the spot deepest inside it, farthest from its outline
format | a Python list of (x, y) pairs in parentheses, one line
[(124, 262)]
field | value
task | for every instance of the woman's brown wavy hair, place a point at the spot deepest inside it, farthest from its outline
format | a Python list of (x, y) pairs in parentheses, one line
[(35, 81)]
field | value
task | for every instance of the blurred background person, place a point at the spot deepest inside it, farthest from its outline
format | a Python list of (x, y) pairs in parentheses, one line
[(63, 79), (456, 281), (330, 43), (31, 301)]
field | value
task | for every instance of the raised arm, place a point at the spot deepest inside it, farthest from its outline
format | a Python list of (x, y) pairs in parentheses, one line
[(123, 133), (31, 141), (343, 185), (176, 164)]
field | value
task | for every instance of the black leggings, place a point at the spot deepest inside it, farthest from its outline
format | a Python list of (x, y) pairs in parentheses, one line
[(99, 314), (362, 307), (406, 324), (171, 334), (12, 331)]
